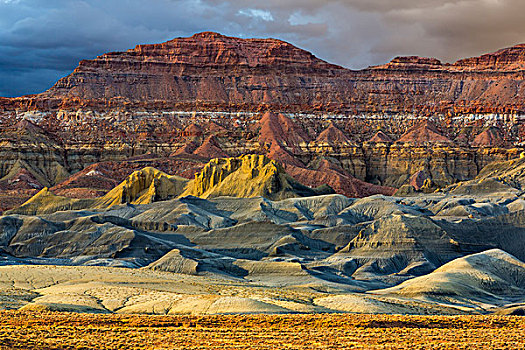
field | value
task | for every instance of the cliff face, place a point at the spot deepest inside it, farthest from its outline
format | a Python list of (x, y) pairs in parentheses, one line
[(213, 71), (207, 67), (508, 59)]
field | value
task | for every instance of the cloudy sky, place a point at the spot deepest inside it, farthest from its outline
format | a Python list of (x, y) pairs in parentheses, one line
[(43, 40)]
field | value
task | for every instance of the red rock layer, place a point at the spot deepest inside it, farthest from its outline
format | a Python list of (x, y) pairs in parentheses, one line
[(380, 137), (186, 149), (283, 138), (417, 180), (94, 181), (490, 137), (508, 59), (342, 182), (424, 132), (277, 128), (278, 134), (21, 180), (10, 199), (192, 130), (333, 136), (210, 149), (215, 129), (212, 71)]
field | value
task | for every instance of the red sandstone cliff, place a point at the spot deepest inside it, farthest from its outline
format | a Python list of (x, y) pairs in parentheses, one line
[(206, 67), (212, 71)]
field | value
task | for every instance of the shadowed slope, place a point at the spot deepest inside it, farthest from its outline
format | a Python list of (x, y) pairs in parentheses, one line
[(485, 276)]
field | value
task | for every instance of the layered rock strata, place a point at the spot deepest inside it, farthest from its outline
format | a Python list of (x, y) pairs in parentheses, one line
[(81, 164), (215, 71)]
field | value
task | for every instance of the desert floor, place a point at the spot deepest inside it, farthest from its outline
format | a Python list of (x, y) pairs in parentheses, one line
[(33, 330)]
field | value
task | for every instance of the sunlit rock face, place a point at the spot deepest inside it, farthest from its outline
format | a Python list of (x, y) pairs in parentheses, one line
[(216, 71)]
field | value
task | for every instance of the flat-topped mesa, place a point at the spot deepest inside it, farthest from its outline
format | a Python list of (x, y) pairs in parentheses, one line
[(511, 58), (411, 63), (508, 59), (207, 67), (210, 71), (214, 49)]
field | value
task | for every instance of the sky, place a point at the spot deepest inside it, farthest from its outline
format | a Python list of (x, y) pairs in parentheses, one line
[(43, 40)]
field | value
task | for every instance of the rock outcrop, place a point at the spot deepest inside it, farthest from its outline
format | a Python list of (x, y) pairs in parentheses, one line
[(210, 149), (237, 94), (94, 181), (247, 176), (311, 153), (99, 178), (332, 136), (144, 186), (192, 130), (496, 177), (217, 71), (141, 187), (338, 179), (209, 67), (508, 59), (47, 202)]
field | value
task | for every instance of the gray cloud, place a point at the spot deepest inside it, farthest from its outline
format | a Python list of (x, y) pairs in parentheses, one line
[(42, 40)]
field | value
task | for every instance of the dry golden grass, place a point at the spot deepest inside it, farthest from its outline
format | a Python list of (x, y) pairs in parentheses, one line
[(31, 330)]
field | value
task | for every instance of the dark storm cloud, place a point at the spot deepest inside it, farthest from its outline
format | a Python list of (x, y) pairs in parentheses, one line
[(42, 40)]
